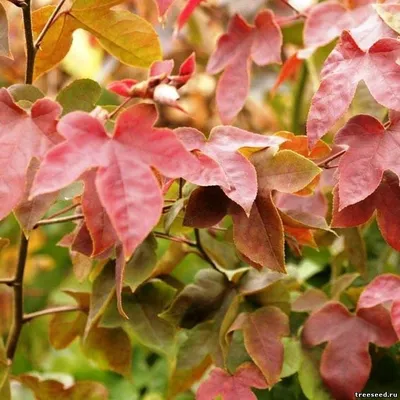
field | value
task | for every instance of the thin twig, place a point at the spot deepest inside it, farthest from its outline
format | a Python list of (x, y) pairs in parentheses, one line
[(48, 24), (18, 288), (201, 249), (64, 210), (118, 109), (177, 239), (59, 220), (54, 310), (30, 47), (325, 164), (7, 281)]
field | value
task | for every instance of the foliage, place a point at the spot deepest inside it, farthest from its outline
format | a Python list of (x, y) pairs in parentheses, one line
[(164, 234)]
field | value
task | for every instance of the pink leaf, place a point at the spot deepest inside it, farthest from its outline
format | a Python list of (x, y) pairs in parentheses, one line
[(372, 150), (326, 21), (127, 187), (232, 387), (222, 164), (96, 218), (385, 200), (23, 135), (163, 6), (383, 289), (187, 12), (346, 66), (242, 43), (348, 338)]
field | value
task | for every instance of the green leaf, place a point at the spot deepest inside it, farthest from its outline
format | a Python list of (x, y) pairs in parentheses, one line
[(292, 356), (21, 91), (4, 368), (102, 293), (172, 214), (198, 301), (4, 45), (82, 95), (142, 263), (143, 309), (310, 379), (110, 349)]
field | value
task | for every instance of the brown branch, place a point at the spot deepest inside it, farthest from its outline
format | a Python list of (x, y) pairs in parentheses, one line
[(48, 24), (64, 210), (53, 310), (59, 220), (18, 301), (202, 250), (30, 47), (325, 163), (162, 235), (119, 108)]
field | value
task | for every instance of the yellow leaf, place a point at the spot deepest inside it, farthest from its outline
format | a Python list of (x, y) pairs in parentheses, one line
[(57, 41), (126, 36)]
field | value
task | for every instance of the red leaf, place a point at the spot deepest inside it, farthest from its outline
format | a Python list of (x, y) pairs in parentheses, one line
[(383, 289), (372, 151), (232, 387), (326, 21), (346, 363), (346, 66), (259, 236), (242, 43), (187, 12), (126, 185), (288, 70), (310, 300), (263, 330), (163, 6), (122, 87), (96, 218), (222, 163), (23, 136), (386, 200)]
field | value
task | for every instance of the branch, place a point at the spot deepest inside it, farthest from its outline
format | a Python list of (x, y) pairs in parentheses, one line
[(53, 310), (30, 47), (7, 281), (174, 238), (18, 288), (64, 210), (48, 24), (59, 220), (201, 249), (119, 108), (325, 164)]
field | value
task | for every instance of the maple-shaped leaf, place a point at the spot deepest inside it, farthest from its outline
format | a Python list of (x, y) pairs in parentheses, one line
[(187, 11), (263, 330), (223, 164), (346, 66), (259, 237), (125, 35), (160, 86), (232, 387), (326, 21), (97, 220), (372, 150), (385, 200), (23, 135), (350, 342), (126, 185), (235, 49), (382, 290)]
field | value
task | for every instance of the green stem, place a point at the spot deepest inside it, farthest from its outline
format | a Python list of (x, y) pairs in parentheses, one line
[(298, 96), (30, 46)]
